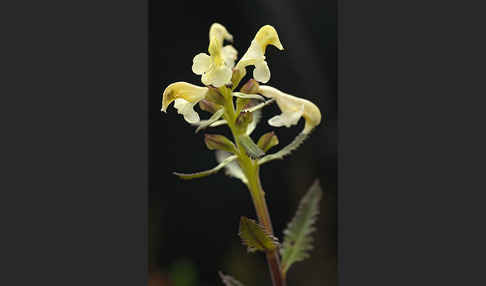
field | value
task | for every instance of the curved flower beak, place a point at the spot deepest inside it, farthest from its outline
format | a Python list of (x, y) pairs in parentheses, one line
[(185, 96), (216, 68), (255, 55), (293, 108)]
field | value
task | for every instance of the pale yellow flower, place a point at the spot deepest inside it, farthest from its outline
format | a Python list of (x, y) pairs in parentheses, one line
[(216, 68), (293, 108), (255, 55), (185, 97)]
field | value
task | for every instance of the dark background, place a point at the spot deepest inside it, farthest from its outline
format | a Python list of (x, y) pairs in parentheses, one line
[(193, 224), (74, 142)]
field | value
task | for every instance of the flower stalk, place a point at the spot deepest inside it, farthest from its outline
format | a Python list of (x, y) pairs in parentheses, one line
[(252, 172)]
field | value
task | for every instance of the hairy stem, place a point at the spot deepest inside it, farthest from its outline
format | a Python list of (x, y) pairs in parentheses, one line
[(251, 170)]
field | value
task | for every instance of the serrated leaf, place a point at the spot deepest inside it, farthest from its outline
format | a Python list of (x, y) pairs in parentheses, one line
[(228, 280), (298, 140), (254, 236), (207, 172), (297, 237)]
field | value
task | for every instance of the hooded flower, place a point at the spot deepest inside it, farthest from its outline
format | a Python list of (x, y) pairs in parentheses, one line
[(293, 108), (255, 55), (185, 96), (216, 68)]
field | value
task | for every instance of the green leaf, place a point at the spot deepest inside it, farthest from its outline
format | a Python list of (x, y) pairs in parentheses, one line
[(228, 280), (298, 140), (267, 141), (297, 237), (219, 142), (207, 172), (250, 147), (205, 123), (254, 236)]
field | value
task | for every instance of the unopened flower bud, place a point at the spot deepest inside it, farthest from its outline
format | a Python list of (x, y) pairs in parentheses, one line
[(250, 87), (209, 106), (243, 119), (236, 77), (267, 141), (245, 103), (214, 96), (219, 142)]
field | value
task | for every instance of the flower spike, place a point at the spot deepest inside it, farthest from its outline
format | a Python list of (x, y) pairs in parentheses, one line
[(185, 96), (255, 55)]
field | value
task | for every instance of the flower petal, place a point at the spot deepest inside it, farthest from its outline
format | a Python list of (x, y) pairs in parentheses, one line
[(201, 63), (261, 72), (286, 119), (216, 68), (291, 107), (229, 54), (217, 35), (217, 76), (219, 32), (255, 55), (267, 35), (186, 108), (182, 90)]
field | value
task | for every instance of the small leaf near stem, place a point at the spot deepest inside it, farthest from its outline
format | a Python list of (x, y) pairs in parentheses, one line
[(219, 142), (255, 237), (267, 141), (209, 106), (252, 149)]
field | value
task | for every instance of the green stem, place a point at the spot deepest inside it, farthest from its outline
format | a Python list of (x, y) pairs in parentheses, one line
[(251, 170)]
